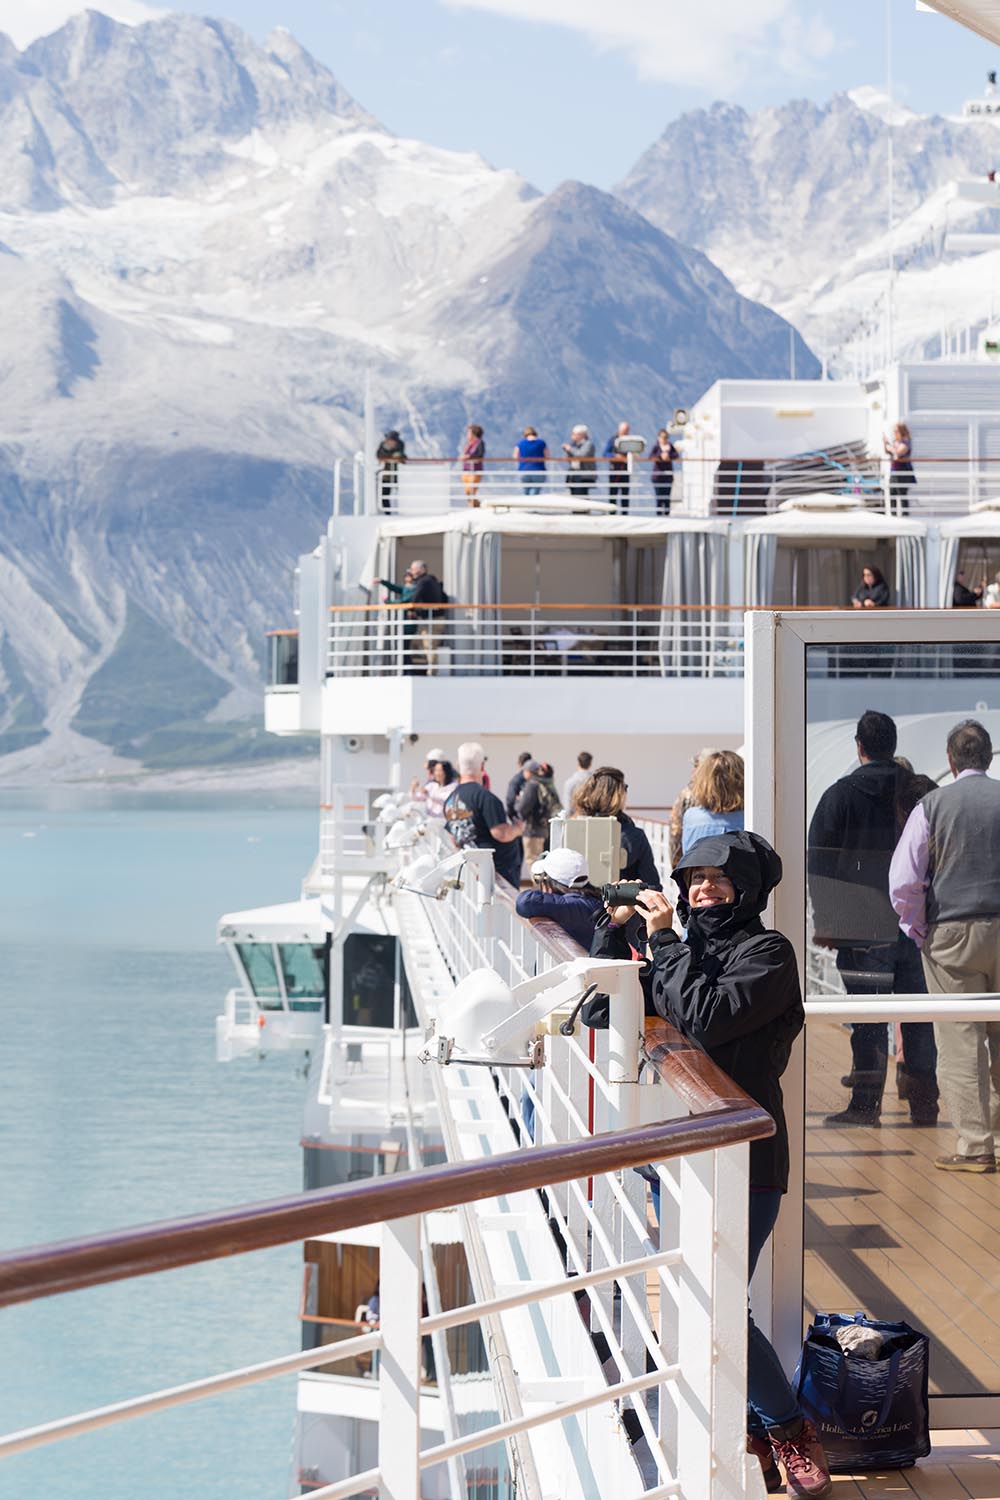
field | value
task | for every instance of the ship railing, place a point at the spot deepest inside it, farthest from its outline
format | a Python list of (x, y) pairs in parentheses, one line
[(544, 640), (702, 485), (593, 1080), (349, 831), (700, 1277)]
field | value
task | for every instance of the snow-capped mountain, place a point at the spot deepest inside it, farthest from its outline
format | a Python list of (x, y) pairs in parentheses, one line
[(205, 244), (792, 203)]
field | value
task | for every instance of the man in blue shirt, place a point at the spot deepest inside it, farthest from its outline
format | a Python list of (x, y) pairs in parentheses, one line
[(531, 453)]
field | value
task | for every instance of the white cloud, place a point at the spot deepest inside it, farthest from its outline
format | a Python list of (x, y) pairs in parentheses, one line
[(702, 45), (24, 20)]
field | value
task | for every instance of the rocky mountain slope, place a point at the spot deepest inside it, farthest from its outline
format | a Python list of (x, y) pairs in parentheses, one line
[(205, 244), (791, 203)]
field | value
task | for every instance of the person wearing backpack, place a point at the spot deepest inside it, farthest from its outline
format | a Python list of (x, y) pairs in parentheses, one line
[(537, 802)]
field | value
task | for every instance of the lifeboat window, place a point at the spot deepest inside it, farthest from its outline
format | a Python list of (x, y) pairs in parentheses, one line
[(369, 980), (303, 967), (258, 961)]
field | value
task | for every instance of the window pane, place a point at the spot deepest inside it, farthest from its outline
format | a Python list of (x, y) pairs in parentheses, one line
[(304, 969), (258, 960), (369, 980), (903, 891)]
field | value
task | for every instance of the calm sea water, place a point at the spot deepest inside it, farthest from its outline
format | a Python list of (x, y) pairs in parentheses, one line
[(113, 1111)]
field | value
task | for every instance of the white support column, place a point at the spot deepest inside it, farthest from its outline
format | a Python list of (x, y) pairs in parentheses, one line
[(694, 1325), (729, 1301), (624, 1042), (399, 1369)]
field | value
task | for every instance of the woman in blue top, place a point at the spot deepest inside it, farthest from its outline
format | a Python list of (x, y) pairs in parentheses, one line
[(716, 798), (531, 453)]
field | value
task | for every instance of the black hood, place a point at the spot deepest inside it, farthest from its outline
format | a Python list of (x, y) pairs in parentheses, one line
[(752, 866), (876, 779)]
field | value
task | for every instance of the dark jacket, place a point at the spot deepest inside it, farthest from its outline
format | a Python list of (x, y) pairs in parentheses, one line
[(851, 840), (639, 861), (426, 590), (514, 786), (574, 911), (732, 985), (878, 593), (536, 803)]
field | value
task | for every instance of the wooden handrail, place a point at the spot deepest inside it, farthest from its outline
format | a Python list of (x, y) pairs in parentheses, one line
[(726, 609), (46, 1270), (280, 632)]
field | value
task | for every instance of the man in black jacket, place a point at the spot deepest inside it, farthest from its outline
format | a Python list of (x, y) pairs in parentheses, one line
[(732, 987), (426, 591), (853, 833)]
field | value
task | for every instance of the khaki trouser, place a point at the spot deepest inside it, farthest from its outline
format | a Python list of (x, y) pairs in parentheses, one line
[(428, 636), (534, 848), (963, 958)]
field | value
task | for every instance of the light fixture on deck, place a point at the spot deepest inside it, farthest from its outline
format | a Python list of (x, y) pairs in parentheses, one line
[(430, 877), (486, 1023)]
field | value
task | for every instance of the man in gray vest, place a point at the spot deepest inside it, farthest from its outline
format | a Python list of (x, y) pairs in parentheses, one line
[(944, 884)]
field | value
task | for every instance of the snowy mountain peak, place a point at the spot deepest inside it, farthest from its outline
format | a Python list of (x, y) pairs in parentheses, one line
[(876, 102)]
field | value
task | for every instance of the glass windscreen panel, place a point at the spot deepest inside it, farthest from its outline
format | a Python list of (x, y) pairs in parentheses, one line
[(370, 980), (258, 961), (902, 1202), (303, 966)]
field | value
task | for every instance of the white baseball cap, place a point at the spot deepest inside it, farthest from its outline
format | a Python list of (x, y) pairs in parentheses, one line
[(565, 866), (435, 755)]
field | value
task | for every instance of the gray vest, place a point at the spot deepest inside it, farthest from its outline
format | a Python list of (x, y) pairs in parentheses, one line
[(964, 850)]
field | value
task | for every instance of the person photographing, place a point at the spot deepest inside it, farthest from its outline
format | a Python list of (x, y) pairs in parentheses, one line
[(731, 986)]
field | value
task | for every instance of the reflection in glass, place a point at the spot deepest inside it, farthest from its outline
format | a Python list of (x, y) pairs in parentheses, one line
[(902, 1204), (369, 980)]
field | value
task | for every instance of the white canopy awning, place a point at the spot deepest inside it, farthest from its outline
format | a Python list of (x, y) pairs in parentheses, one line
[(291, 922), (846, 526), (984, 523), (980, 16), (472, 522)]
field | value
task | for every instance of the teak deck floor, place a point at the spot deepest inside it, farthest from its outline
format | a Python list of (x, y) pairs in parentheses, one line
[(888, 1232), (965, 1465)]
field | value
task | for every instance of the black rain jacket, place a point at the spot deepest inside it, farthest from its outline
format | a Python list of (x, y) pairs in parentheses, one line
[(852, 836), (732, 985)]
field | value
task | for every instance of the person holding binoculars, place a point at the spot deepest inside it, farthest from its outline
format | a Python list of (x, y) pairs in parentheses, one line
[(731, 986)]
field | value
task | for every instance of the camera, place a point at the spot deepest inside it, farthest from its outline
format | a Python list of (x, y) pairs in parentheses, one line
[(621, 892)]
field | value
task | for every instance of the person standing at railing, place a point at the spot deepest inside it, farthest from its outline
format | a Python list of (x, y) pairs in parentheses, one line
[(537, 802), (475, 817), (531, 452), (663, 455), (682, 802), (899, 449), (516, 783), (944, 883), (873, 591), (473, 460), (427, 592), (581, 454), (442, 779), (604, 795), (732, 987), (391, 452), (584, 761), (562, 893), (962, 597), (618, 472), (716, 804)]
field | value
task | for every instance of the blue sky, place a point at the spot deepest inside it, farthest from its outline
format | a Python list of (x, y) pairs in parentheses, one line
[(582, 93)]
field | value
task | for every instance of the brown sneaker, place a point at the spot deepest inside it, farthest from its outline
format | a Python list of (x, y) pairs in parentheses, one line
[(760, 1445), (801, 1454), (960, 1163)]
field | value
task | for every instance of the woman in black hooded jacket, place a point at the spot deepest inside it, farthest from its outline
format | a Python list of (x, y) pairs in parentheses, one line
[(732, 986)]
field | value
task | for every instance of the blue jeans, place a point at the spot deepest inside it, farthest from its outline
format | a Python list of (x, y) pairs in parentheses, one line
[(770, 1399), (531, 488)]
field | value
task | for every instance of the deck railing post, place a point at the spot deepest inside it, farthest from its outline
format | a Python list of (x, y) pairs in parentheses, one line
[(399, 1370), (695, 1330), (734, 1477)]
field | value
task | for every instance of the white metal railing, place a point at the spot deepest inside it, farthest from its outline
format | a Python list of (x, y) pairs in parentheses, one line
[(594, 1081), (540, 641), (730, 485)]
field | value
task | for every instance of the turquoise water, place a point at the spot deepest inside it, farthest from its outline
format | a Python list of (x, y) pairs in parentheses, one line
[(113, 1111)]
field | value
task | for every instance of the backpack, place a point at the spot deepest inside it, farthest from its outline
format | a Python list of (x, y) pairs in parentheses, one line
[(443, 598)]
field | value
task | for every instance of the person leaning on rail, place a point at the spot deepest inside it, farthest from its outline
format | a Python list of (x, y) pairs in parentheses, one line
[(732, 987)]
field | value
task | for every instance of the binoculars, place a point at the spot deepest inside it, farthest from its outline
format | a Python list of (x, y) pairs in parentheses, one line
[(621, 892)]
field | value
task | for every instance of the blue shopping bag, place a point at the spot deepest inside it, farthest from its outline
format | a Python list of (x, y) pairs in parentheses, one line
[(869, 1413)]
